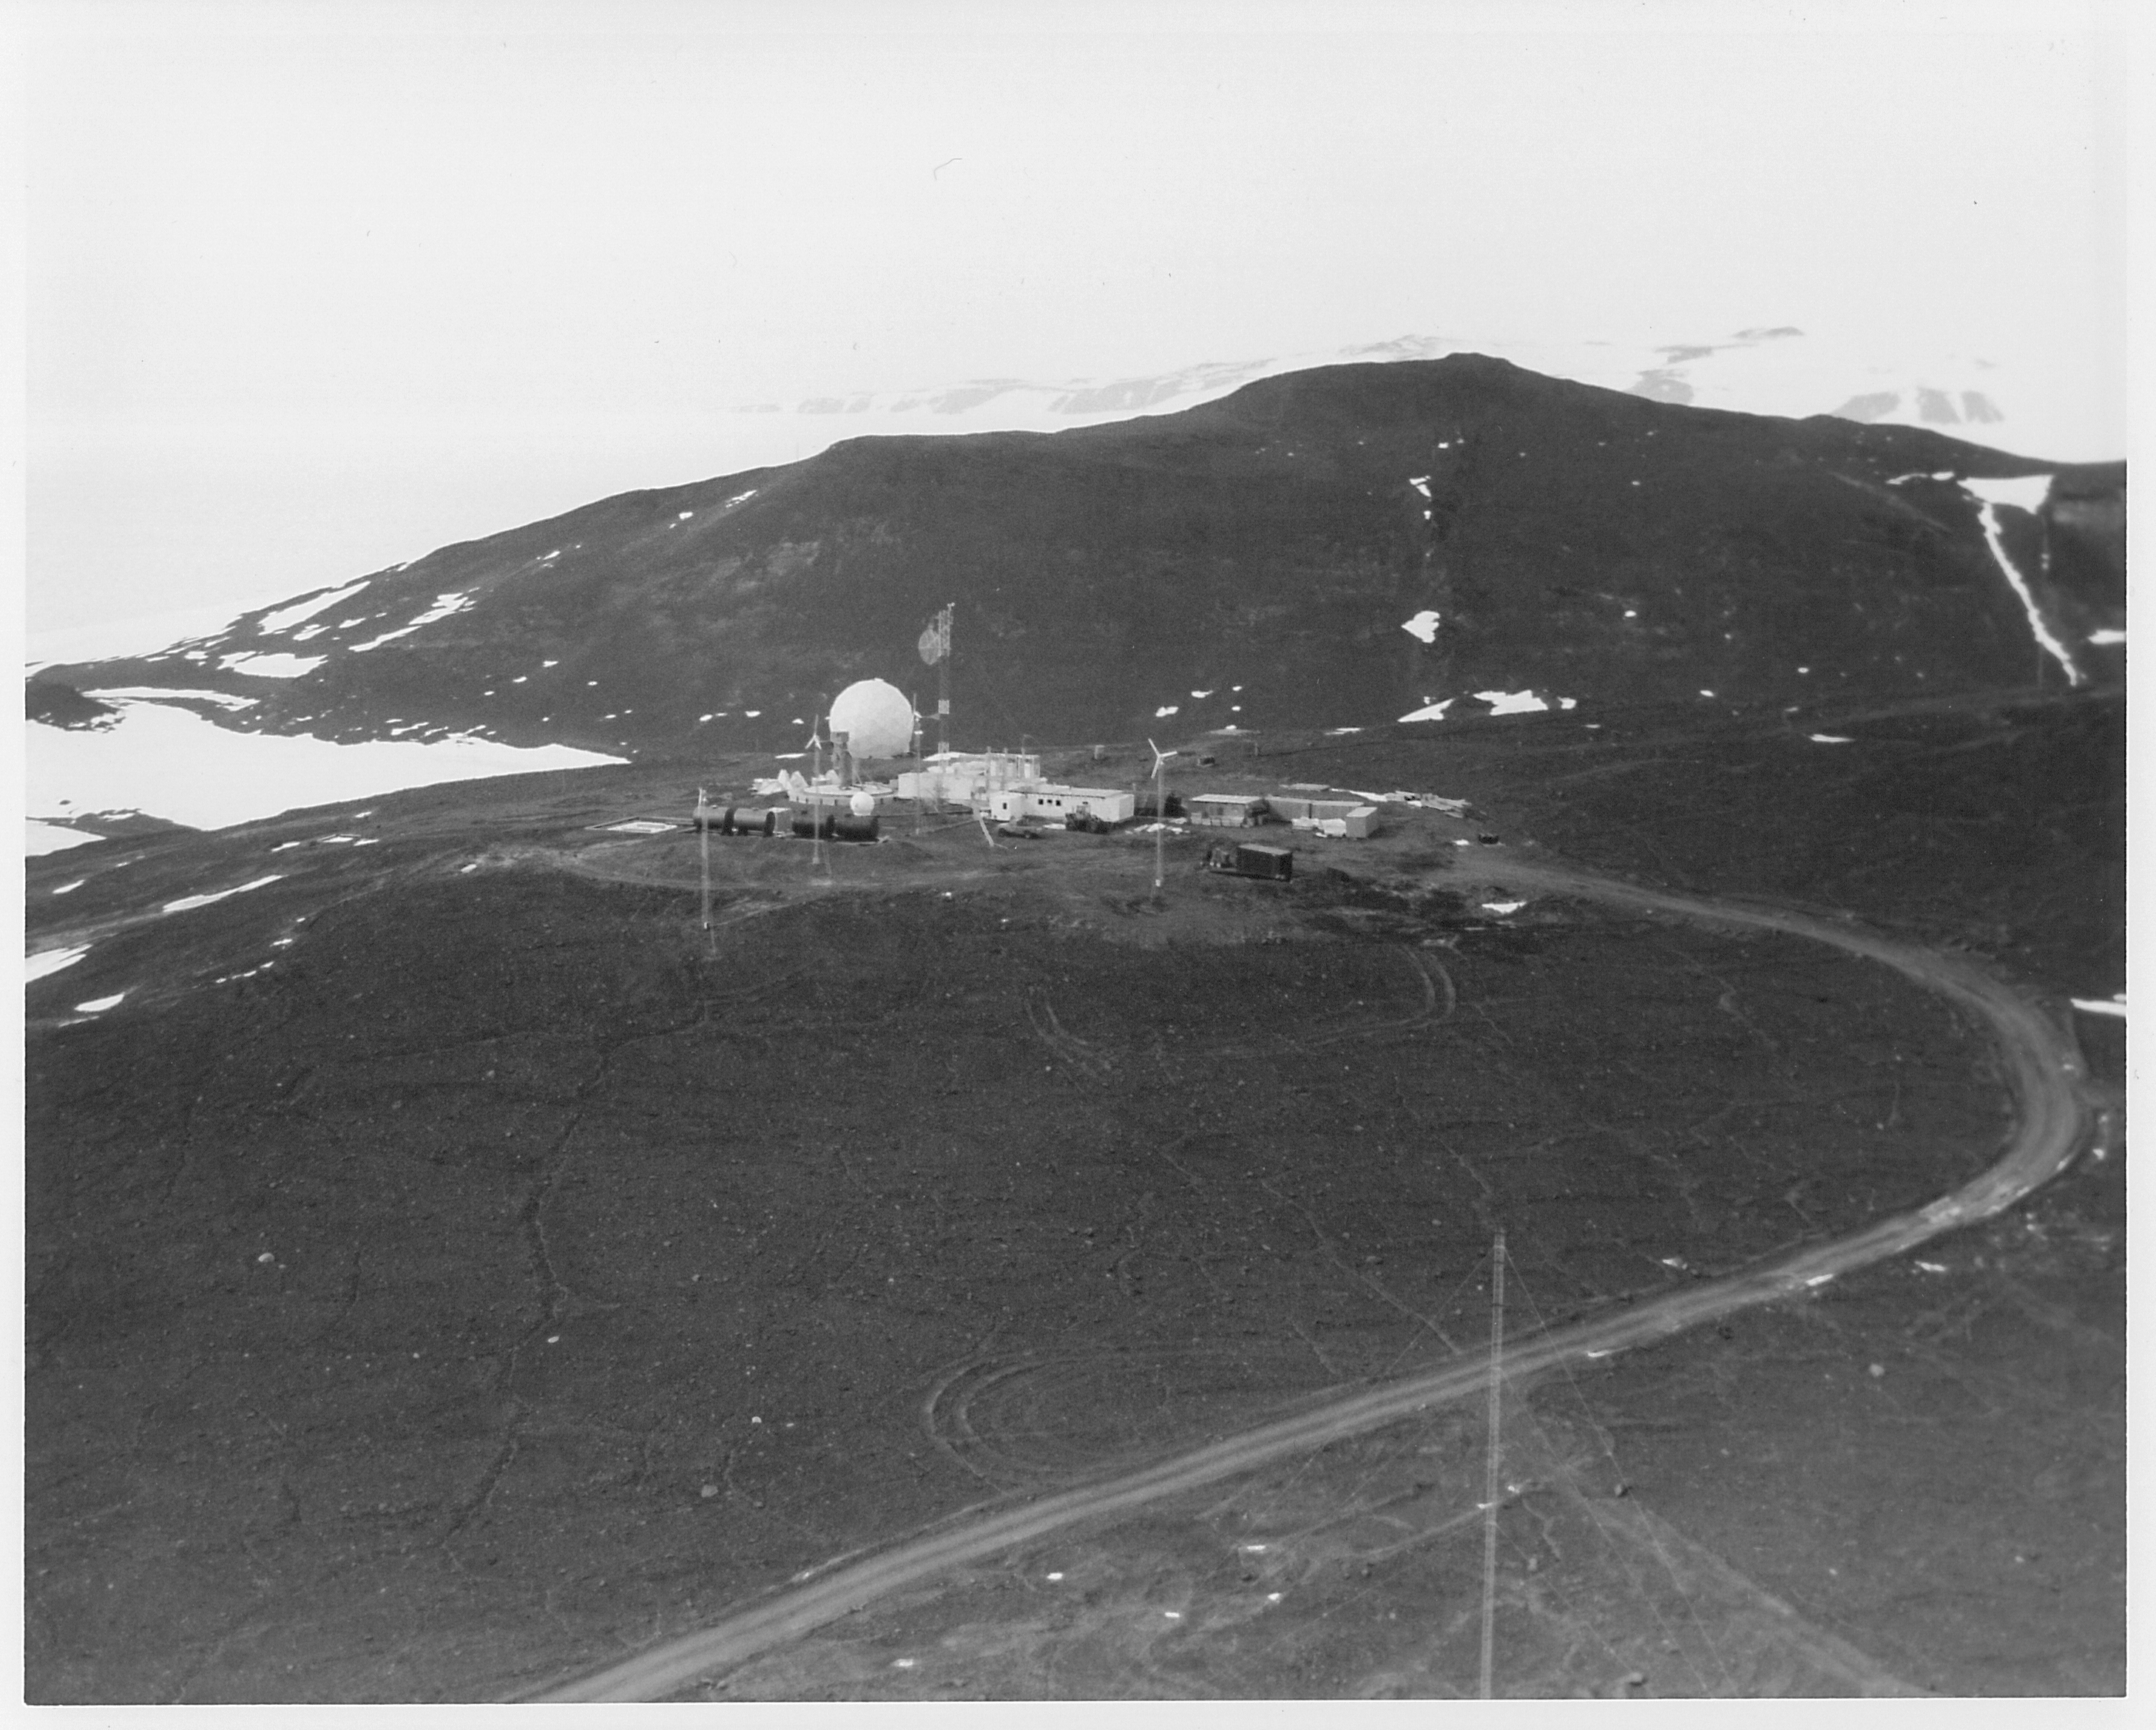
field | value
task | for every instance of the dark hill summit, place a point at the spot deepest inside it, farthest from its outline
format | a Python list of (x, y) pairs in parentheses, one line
[(1248, 562)]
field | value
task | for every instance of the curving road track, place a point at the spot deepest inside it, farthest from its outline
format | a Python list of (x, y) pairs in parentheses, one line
[(2044, 1072)]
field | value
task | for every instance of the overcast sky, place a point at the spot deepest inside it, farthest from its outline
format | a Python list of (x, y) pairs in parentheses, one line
[(314, 288)]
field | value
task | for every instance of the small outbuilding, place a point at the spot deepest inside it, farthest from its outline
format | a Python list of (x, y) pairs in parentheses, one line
[(1226, 810), (1354, 819)]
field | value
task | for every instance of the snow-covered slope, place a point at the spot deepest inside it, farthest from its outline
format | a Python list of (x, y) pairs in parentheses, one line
[(1768, 370)]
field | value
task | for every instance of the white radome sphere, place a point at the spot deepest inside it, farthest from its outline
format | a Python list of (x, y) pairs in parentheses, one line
[(862, 804), (875, 717)]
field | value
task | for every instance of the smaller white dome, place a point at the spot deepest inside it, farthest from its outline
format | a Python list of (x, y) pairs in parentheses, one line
[(862, 804)]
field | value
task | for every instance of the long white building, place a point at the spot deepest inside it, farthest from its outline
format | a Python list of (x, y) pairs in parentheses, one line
[(1052, 802)]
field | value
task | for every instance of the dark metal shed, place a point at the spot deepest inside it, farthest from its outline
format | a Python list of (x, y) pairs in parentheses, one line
[(1254, 858)]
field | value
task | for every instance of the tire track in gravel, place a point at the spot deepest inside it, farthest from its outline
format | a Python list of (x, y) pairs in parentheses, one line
[(2044, 1072)]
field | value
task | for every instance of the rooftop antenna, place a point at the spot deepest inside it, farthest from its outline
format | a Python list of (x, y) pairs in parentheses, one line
[(1160, 815), (1493, 1477)]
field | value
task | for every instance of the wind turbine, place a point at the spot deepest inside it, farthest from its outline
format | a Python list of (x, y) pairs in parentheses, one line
[(1160, 815)]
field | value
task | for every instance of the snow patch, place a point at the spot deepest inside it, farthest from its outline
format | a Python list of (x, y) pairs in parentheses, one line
[(1166, 710), (1832, 739), (386, 637), (2027, 494), (444, 606), (2098, 1006), (98, 1005), (189, 903), (284, 618), (1420, 483), (51, 960), (1423, 625), (272, 666), (160, 694), (1513, 702), (1502, 908), (2106, 639), (740, 499), (1431, 712)]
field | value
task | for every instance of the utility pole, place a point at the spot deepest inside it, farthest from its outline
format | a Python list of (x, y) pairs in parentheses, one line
[(704, 840), (1493, 1477), (816, 793)]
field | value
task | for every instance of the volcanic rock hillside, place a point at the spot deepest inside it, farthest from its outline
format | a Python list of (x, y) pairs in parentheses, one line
[(1341, 547)]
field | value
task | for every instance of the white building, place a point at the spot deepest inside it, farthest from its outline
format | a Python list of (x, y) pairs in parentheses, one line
[(958, 777), (1052, 802)]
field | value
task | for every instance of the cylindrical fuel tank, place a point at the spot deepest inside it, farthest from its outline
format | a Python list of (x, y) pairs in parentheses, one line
[(835, 826)]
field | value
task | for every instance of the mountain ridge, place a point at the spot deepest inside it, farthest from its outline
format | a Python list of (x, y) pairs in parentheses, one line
[(1253, 560)]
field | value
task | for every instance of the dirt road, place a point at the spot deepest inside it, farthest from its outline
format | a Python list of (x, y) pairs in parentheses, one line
[(2043, 1070)]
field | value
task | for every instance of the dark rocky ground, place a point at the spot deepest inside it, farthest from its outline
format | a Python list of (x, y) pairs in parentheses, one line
[(448, 1268)]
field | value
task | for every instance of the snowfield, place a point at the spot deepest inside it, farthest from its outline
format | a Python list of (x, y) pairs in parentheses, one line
[(167, 762)]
